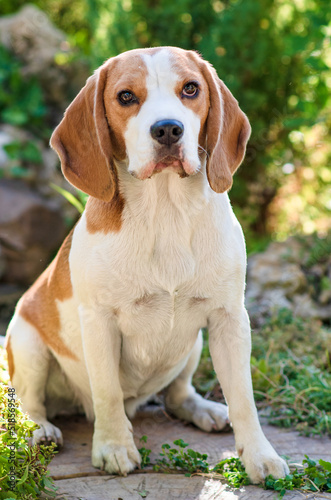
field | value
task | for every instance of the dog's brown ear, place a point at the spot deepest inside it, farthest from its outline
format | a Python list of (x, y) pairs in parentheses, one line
[(228, 131), (82, 141)]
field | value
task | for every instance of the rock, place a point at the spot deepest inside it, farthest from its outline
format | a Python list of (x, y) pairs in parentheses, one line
[(29, 33), (280, 278), (274, 270), (31, 230), (325, 297), (9, 296), (262, 306), (2, 263), (305, 307), (268, 274), (33, 38)]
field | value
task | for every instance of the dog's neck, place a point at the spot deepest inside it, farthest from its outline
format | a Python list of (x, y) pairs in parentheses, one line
[(163, 213), (165, 193)]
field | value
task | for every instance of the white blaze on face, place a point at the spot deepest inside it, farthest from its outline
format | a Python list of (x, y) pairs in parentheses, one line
[(161, 103)]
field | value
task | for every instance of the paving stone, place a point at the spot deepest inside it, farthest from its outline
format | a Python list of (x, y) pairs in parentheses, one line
[(76, 479), (166, 487)]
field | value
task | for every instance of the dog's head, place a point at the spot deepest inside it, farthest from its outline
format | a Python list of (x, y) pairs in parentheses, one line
[(160, 108)]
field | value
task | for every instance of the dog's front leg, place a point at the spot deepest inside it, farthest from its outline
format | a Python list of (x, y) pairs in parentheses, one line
[(113, 447), (230, 348)]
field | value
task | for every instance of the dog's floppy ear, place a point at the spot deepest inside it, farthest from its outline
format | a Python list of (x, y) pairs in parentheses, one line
[(228, 131), (82, 141)]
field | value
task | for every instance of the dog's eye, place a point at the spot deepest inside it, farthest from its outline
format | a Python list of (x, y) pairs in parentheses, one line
[(191, 89), (126, 97)]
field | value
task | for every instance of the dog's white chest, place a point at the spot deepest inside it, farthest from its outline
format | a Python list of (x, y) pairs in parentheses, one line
[(157, 337), (160, 300), (161, 314)]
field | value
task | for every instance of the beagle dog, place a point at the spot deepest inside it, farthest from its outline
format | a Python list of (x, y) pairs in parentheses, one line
[(154, 138)]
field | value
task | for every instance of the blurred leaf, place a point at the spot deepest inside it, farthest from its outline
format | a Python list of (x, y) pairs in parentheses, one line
[(69, 197)]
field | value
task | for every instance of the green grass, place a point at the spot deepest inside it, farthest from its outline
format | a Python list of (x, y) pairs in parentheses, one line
[(314, 476), (178, 458), (311, 476), (291, 373), (23, 469)]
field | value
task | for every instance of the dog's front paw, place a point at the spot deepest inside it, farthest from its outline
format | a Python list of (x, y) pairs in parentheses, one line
[(259, 462), (115, 458)]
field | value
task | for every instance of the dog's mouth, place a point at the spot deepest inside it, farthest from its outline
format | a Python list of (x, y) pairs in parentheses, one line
[(172, 163), (166, 161)]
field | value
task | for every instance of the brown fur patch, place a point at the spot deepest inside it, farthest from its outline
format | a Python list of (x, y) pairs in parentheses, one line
[(227, 130), (104, 216), (82, 141), (38, 305), (10, 358), (124, 72), (187, 66)]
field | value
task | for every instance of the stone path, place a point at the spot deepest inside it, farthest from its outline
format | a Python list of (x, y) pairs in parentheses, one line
[(76, 479)]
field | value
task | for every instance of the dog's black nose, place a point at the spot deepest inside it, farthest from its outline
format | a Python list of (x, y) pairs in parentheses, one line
[(167, 131)]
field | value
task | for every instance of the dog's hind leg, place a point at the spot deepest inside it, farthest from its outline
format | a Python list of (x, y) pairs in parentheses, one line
[(182, 400), (28, 359)]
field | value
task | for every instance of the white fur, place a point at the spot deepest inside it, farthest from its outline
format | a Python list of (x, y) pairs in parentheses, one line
[(161, 104), (141, 295)]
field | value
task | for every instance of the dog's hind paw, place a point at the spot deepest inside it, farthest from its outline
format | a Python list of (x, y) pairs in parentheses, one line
[(207, 415), (47, 433)]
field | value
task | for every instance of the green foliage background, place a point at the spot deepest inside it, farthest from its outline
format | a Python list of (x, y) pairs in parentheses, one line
[(275, 57)]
